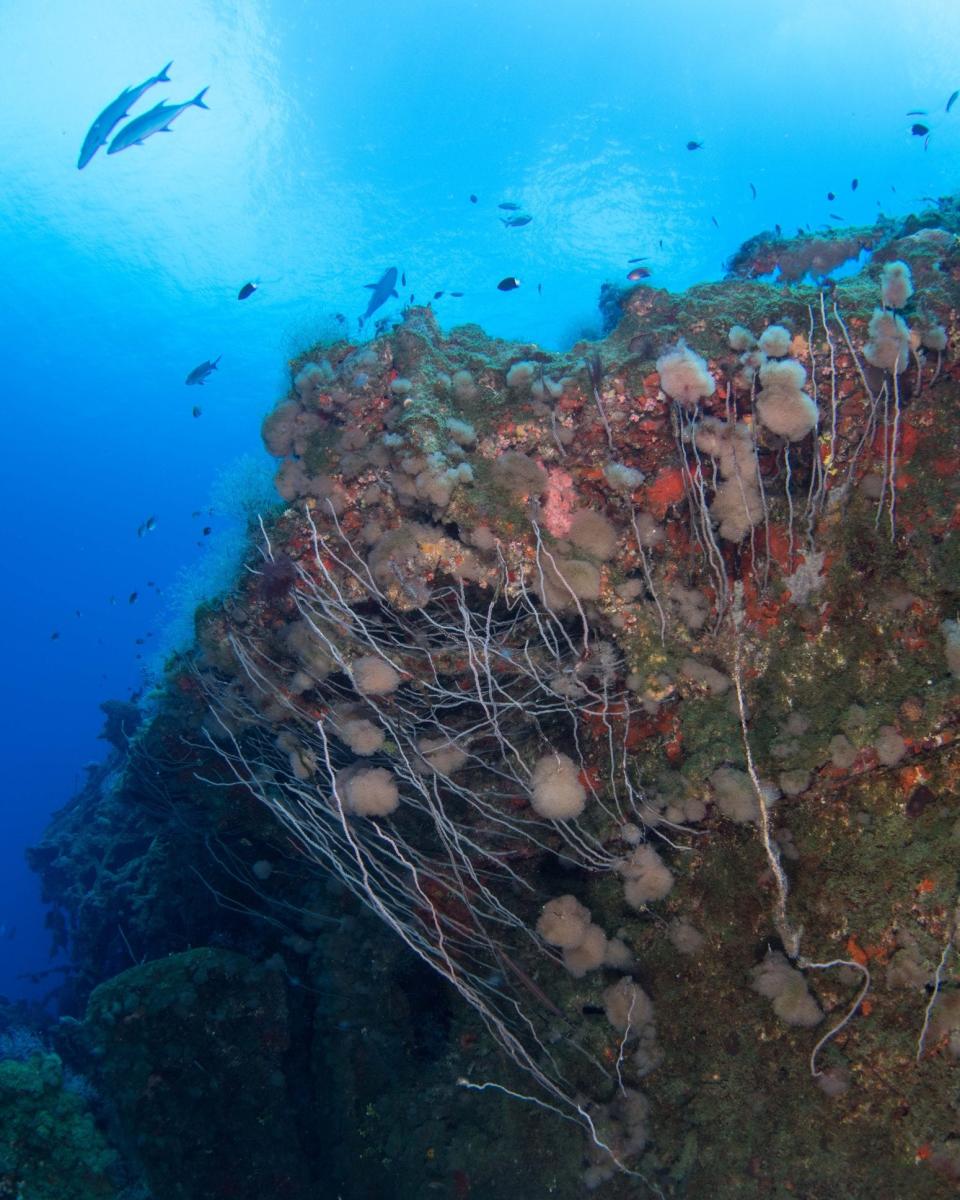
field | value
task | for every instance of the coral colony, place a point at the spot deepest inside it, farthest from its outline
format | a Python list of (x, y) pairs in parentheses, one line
[(538, 638)]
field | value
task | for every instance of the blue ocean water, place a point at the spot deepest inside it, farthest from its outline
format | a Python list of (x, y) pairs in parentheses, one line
[(343, 138)]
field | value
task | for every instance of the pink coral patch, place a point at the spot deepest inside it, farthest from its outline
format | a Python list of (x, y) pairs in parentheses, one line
[(558, 506)]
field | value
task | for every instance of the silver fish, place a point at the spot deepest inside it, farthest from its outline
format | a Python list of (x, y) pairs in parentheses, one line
[(199, 374), (115, 111), (383, 289), (157, 120)]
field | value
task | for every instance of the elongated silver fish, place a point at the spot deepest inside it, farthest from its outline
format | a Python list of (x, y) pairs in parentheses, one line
[(199, 374), (115, 111), (382, 290), (157, 120)]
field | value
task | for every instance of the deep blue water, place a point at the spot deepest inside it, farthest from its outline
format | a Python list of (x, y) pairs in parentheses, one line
[(343, 138)]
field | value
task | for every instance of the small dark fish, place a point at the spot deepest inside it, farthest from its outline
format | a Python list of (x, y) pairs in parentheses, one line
[(638, 273), (340, 318), (661, 243), (76, 612), (694, 145), (779, 231), (509, 206), (508, 284), (206, 530), (539, 289), (437, 295), (854, 184), (516, 222), (919, 112), (951, 101), (836, 217), (715, 221), (411, 297), (457, 294), (473, 198), (132, 598), (636, 260), (150, 524), (199, 374), (197, 410), (754, 191), (55, 635), (138, 641), (195, 513), (403, 279), (150, 583), (831, 196), (247, 290), (919, 130)]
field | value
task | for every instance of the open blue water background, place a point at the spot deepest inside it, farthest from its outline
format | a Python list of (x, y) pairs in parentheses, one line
[(343, 138)]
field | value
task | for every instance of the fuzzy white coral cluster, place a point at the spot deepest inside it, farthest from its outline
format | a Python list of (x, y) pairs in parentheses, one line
[(783, 407), (684, 376)]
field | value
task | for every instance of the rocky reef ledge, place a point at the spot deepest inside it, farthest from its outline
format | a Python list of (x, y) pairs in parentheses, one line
[(575, 753)]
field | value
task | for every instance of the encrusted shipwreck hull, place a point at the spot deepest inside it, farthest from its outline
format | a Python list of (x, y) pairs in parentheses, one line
[(635, 720)]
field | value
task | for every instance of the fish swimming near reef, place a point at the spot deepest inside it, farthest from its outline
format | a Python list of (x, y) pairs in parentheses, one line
[(516, 222), (199, 374), (114, 113), (639, 273), (157, 120), (197, 410), (247, 290), (382, 290), (509, 206), (919, 130), (694, 145), (952, 100), (508, 284)]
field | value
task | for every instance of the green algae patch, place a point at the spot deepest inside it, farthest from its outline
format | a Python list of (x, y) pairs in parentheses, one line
[(50, 1145), (192, 1055)]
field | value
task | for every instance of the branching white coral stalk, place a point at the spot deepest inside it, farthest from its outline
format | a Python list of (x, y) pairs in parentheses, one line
[(806, 965), (788, 935)]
